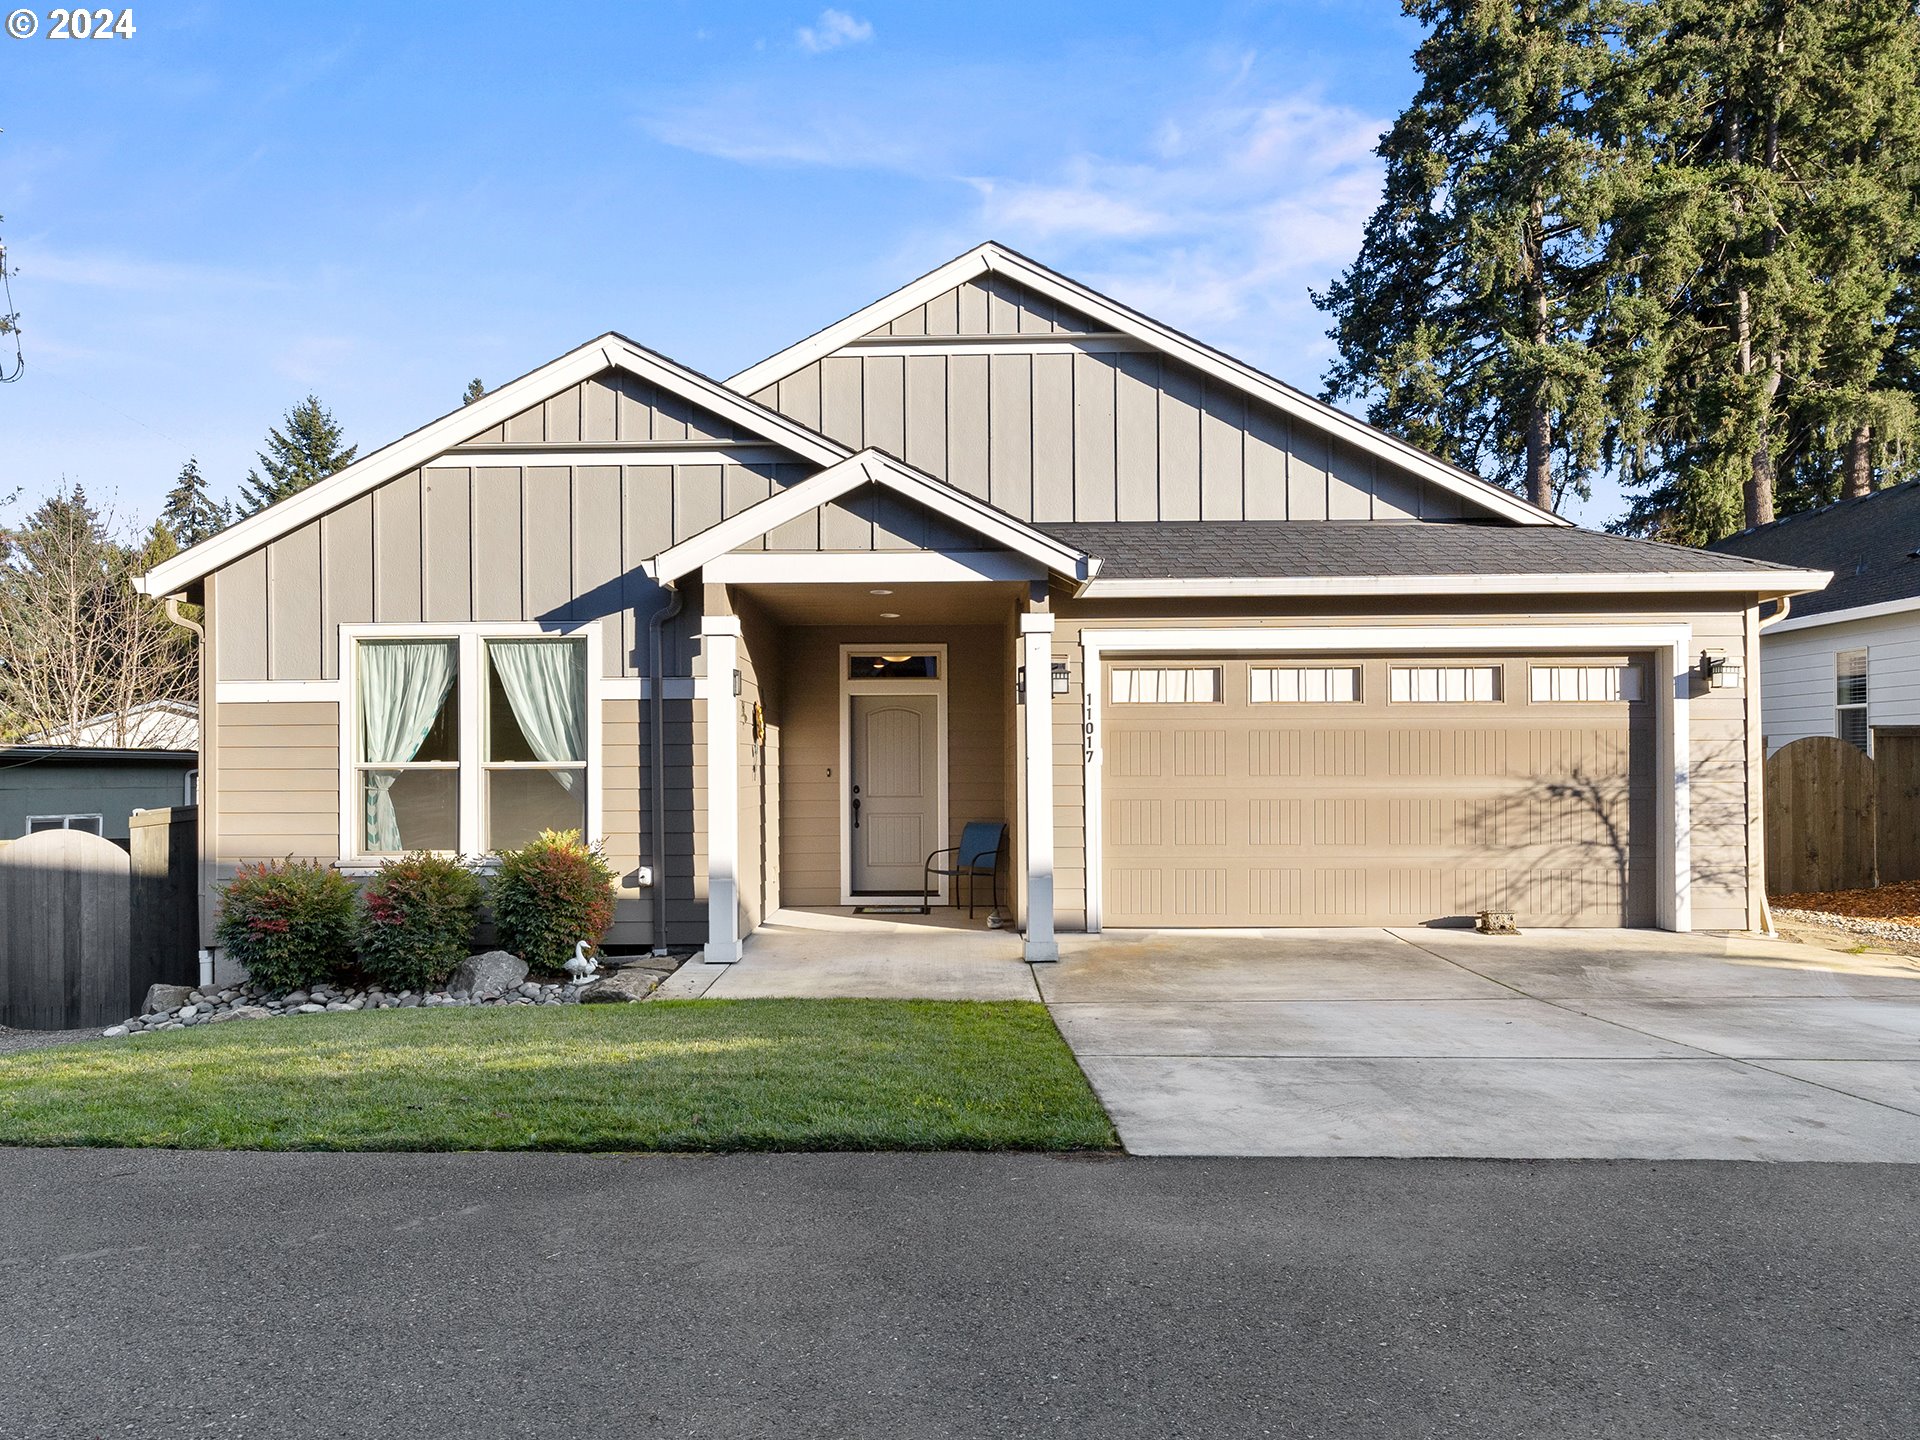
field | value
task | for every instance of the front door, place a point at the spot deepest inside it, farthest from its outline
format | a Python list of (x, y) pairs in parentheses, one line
[(894, 806)]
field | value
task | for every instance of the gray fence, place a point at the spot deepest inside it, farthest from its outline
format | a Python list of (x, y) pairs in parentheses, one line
[(86, 927)]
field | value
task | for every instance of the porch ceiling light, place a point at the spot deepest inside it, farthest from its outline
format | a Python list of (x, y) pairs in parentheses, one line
[(879, 592), (889, 614), (896, 659)]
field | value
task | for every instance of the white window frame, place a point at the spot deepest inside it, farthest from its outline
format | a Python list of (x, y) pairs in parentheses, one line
[(1359, 673), (1162, 671), (1496, 669), (1670, 645), (1842, 707), (66, 822), (1583, 668), (943, 825), (470, 639)]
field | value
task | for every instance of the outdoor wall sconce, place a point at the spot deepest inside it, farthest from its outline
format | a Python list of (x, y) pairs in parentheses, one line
[(1062, 677), (1718, 671), (736, 684), (1019, 684)]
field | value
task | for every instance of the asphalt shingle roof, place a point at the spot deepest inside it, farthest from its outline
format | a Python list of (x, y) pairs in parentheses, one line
[(1868, 544), (1273, 549)]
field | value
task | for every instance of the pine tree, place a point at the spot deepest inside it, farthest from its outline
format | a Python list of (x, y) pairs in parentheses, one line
[(1465, 320), (190, 513), (1771, 205), (475, 389), (307, 450)]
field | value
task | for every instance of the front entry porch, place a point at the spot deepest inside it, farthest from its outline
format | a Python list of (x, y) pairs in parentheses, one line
[(832, 953)]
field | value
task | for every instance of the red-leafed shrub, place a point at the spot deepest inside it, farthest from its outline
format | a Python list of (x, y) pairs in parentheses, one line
[(290, 923), (549, 894), (416, 921)]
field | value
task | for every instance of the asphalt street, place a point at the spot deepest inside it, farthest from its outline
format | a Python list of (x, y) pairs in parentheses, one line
[(157, 1293)]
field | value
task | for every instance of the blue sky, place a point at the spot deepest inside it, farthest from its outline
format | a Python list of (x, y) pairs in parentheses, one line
[(243, 203)]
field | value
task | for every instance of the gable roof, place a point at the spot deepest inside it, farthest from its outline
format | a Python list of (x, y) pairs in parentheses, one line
[(874, 467), (1343, 557), (993, 258), (609, 352), (1872, 545)]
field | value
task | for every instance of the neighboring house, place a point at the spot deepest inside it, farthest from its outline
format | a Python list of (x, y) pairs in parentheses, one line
[(155, 725), (94, 788), (1846, 661), (994, 548)]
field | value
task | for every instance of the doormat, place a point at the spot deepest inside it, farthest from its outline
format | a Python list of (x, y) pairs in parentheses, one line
[(886, 909)]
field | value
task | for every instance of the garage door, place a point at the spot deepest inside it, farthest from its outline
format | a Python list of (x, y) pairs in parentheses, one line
[(1376, 791)]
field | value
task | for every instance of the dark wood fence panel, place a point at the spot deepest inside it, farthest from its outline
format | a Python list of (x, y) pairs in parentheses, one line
[(1896, 768), (1821, 808), (165, 905), (63, 931)]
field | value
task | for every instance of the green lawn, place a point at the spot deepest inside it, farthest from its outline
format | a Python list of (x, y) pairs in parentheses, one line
[(666, 1075)]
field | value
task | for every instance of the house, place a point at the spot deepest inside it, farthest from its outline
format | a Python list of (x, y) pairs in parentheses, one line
[(993, 548), (1845, 661), (89, 787), (152, 725)]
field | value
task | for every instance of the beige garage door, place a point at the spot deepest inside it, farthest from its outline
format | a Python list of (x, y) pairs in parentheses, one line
[(1377, 791)]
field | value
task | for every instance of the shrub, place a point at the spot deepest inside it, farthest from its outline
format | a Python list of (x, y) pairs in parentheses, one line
[(550, 893), (416, 921), (290, 923)]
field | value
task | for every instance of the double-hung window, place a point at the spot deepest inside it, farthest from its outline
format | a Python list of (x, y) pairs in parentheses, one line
[(1850, 697), (467, 744)]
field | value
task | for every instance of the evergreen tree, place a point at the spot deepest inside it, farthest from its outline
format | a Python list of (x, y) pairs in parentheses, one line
[(1465, 321), (1757, 247), (475, 389), (307, 450), (190, 513)]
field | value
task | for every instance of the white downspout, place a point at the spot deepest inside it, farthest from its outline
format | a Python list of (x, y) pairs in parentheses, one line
[(1753, 682)]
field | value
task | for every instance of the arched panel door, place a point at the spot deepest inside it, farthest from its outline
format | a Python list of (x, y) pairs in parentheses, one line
[(895, 799)]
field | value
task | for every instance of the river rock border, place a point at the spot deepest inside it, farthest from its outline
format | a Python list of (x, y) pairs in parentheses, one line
[(1855, 924), (246, 1002)]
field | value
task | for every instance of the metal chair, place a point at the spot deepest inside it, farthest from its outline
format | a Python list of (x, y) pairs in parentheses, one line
[(978, 853)]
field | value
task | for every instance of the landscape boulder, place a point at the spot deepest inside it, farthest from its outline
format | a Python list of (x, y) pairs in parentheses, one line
[(488, 976), (166, 997), (620, 987)]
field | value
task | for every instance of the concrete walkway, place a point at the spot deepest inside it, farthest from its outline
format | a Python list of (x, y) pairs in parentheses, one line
[(1568, 1044)]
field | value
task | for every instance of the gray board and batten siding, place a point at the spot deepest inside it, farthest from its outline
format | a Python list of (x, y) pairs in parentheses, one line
[(1063, 423)]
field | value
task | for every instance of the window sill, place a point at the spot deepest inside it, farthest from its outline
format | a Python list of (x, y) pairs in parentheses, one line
[(366, 869)]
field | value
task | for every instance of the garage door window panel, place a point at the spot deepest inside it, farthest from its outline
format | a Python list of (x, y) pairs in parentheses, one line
[(1304, 685), (1166, 685), (1444, 684), (1586, 684)]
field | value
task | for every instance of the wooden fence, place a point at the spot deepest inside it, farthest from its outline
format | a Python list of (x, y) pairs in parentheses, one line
[(1839, 820), (86, 927)]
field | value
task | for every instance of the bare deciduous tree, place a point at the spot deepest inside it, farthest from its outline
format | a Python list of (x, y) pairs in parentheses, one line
[(77, 642)]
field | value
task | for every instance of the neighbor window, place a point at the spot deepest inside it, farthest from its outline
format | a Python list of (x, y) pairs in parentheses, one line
[(1850, 697), (1180, 685), (418, 785), (92, 824), (1303, 684), (1554, 684), (1444, 684)]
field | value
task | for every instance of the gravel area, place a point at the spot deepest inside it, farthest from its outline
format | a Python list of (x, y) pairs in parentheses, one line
[(1852, 924), (12, 1042)]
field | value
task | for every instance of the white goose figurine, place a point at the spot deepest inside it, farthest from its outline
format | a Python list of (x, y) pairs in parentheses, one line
[(581, 967)]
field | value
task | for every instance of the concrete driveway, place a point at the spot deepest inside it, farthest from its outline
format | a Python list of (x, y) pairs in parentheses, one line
[(1568, 1044)]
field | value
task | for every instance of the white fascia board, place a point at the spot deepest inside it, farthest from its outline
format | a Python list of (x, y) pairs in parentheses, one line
[(868, 467), (430, 441), (1795, 582), (476, 459), (992, 258), (1841, 617), (879, 567)]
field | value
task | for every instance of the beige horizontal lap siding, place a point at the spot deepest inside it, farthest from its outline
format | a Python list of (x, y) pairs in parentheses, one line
[(1724, 827), (1096, 435)]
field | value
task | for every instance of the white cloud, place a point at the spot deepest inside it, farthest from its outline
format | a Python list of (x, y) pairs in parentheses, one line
[(833, 29)]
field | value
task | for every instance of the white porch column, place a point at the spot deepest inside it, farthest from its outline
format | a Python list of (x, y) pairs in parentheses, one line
[(1036, 729), (720, 645)]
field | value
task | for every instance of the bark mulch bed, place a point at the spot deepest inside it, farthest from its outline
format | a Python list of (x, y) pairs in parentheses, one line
[(1899, 903)]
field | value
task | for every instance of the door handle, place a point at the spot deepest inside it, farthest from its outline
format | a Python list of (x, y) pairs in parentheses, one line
[(856, 807)]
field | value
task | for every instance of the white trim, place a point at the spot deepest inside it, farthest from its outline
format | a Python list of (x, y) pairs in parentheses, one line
[(720, 646), (848, 688), (1841, 617), (993, 258), (410, 452), (262, 692), (460, 459), (1036, 730), (869, 467), (1670, 644), (1767, 582), (66, 821), (880, 567), (469, 636)]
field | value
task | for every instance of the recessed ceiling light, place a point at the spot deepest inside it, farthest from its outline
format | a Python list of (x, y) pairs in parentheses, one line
[(889, 614), (879, 592)]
